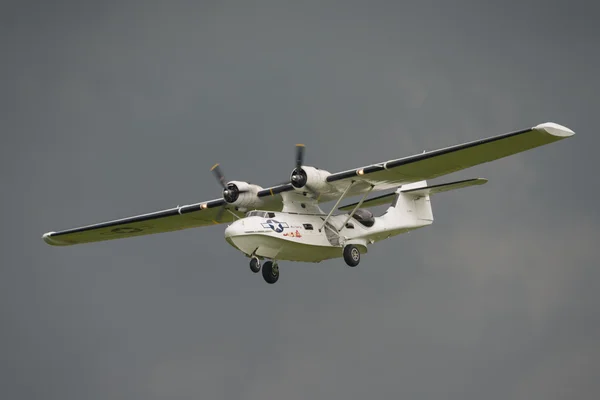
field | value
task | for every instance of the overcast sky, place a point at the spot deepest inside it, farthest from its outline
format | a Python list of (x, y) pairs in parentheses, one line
[(114, 108)]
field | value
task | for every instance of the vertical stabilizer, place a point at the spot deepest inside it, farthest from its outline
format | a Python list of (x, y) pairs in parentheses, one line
[(412, 208)]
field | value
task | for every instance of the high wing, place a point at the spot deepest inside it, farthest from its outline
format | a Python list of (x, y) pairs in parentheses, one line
[(173, 219), (433, 164), (321, 187)]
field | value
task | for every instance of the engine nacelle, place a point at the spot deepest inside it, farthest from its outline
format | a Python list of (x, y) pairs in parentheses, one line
[(242, 194), (309, 178)]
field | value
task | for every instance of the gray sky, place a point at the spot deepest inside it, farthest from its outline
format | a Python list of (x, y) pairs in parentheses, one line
[(112, 109)]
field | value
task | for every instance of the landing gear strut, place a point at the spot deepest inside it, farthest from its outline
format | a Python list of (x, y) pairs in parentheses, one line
[(254, 264), (270, 271), (351, 255)]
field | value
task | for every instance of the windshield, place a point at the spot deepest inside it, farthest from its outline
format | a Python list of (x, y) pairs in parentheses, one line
[(262, 214)]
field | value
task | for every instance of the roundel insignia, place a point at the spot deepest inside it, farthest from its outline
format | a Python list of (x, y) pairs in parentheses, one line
[(275, 225)]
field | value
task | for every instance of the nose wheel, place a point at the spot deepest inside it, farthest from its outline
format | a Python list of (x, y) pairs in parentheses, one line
[(254, 264), (270, 272)]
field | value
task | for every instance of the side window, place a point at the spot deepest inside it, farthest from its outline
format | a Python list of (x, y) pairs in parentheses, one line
[(308, 227), (349, 225), (271, 215)]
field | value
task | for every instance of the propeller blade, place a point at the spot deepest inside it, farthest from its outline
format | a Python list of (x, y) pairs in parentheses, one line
[(220, 214), (299, 155), (216, 170)]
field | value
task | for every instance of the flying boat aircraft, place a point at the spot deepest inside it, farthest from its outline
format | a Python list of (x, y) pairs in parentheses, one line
[(285, 221)]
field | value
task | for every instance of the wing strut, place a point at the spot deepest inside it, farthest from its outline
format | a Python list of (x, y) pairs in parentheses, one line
[(336, 204), (230, 212), (356, 207)]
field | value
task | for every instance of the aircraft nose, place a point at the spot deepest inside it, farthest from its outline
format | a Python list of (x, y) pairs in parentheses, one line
[(234, 229)]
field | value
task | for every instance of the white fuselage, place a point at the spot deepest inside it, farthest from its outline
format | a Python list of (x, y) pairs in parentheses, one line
[(304, 237), (284, 237)]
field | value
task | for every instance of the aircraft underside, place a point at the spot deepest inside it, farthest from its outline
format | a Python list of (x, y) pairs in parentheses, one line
[(272, 237)]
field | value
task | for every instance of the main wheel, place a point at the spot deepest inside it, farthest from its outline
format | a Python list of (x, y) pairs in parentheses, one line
[(351, 255), (270, 271), (254, 264)]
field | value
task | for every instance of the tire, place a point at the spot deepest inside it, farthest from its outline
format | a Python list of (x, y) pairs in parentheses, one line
[(351, 255), (270, 272), (254, 264)]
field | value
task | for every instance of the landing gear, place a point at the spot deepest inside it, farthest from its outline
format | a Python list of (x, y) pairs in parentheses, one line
[(270, 271), (351, 255), (254, 264)]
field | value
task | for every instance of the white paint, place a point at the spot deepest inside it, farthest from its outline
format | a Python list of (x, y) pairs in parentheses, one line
[(286, 237), (293, 242)]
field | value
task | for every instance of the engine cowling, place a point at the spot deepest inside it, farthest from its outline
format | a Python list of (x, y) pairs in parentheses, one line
[(309, 178), (242, 194)]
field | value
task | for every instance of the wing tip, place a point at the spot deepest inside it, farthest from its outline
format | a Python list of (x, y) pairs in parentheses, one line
[(555, 129), (53, 241)]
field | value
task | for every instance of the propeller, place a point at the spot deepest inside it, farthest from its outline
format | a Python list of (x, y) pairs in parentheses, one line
[(216, 170), (299, 155), (299, 177), (230, 190)]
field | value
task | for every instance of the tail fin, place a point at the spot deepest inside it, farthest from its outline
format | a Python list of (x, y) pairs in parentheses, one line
[(412, 203)]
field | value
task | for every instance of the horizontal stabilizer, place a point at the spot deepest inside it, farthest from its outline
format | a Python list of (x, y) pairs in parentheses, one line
[(444, 187), (417, 191), (372, 202)]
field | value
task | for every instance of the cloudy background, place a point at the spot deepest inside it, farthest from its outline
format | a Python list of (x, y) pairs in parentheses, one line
[(114, 108)]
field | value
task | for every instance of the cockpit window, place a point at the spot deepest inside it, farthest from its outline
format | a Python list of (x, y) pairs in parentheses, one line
[(262, 214)]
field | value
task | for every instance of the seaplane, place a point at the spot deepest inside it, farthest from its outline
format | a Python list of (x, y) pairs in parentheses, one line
[(285, 222)]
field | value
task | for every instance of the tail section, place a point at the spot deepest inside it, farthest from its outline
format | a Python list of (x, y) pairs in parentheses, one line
[(412, 207), (413, 200)]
